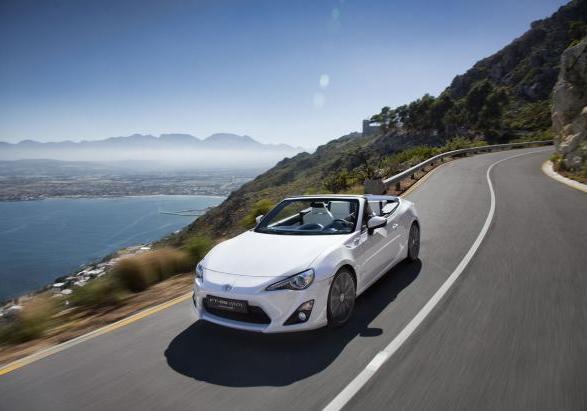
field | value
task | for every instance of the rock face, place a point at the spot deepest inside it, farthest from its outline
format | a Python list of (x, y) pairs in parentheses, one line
[(569, 111)]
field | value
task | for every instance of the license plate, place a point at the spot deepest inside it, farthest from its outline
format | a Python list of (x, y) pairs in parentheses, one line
[(227, 304)]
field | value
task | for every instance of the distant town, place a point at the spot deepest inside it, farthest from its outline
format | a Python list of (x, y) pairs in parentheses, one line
[(62, 287), (35, 180)]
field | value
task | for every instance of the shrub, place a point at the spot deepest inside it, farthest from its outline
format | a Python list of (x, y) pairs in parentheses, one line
[(135, 273), (261, 207), (557, 162), (32, 323), (337, 182), (538, 136), (97, 293), (458, 143), (197, 247), (168, 262)]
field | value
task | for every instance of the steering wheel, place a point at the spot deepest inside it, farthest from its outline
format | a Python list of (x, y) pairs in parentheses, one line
[(337, 222), (311, 226)]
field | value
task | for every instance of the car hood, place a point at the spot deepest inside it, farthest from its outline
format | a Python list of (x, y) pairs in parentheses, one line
[(269, 255)]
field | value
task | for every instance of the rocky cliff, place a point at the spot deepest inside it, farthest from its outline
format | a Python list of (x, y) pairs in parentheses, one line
[(569, 111)]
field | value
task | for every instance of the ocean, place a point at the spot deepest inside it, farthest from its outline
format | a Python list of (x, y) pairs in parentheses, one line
[(45, 239)]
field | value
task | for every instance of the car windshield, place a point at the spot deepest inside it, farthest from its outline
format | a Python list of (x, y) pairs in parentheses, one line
[(320, 216)]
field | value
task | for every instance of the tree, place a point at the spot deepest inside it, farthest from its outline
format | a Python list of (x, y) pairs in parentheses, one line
[(475, 100), (439, 109)]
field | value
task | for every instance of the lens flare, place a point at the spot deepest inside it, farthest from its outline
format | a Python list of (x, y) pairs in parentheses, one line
[(319, 100)]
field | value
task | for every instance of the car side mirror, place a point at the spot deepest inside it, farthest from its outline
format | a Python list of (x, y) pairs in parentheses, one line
[(376, 222), (259, 218)]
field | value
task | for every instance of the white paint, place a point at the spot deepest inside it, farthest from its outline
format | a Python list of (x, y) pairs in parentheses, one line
[(365, 375)]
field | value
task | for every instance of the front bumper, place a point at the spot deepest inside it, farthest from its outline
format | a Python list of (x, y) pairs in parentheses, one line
[(277, 305)]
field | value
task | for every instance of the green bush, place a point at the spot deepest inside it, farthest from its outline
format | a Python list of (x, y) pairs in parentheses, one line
[(538, 136), (197, 247), (458, 143), (32, 323), (557, 163), (337, 182), (414, 155), (97, 293), (261, 207)]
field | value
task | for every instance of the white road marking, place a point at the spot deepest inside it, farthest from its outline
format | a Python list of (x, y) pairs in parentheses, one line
[(365, 375)]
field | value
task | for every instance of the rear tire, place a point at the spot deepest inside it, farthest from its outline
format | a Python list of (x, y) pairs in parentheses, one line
[(341, 298), (414, 242)]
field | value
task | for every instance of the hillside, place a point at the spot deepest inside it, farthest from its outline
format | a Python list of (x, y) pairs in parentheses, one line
[(503, 97)]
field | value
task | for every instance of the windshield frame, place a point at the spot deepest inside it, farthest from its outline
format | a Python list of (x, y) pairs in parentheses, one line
[(275, 210)]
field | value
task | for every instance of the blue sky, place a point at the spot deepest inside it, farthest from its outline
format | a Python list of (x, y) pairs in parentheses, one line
[(299, 72)]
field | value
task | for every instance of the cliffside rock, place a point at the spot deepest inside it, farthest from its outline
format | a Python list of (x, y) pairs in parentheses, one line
[(569, 112)]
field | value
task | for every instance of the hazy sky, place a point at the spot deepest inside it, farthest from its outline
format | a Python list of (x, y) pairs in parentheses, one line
[(299, 72)]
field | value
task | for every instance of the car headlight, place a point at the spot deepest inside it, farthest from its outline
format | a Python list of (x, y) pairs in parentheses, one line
[(295, 282), (200, 272)]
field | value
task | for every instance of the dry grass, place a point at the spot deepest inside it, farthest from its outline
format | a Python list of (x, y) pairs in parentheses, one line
[(137, 273), (73, 322)]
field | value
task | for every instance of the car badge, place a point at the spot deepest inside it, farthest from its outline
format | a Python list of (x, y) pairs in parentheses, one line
[(227, 287)]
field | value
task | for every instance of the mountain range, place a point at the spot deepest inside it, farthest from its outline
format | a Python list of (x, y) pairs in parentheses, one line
[(184, 150), (218, 141)]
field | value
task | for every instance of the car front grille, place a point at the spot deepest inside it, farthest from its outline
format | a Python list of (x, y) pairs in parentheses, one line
[(256, 315)]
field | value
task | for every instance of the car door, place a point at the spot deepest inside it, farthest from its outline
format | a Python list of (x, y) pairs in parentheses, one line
[(368, 252), (385, 241), (394, 234)]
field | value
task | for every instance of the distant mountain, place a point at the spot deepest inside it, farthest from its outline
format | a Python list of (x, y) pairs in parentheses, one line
[(220, 150), (220, 141)]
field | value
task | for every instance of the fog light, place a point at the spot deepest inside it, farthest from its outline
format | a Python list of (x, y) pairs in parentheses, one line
[(302, 314)]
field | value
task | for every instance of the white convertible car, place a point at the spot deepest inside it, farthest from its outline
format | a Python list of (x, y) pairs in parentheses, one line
[(305, 262)]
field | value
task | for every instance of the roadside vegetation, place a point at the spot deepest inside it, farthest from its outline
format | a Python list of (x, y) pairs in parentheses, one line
[(31, 323), (347, 181), (132, 276), (559, 166), (261, 207)]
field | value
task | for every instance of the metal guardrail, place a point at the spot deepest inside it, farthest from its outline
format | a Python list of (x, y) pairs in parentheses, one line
[(410, 172)]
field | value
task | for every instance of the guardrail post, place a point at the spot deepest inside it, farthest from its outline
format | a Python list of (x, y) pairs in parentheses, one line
[(398, 186)]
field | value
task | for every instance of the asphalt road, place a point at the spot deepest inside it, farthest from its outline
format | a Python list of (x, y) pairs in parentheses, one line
[(510, 334)]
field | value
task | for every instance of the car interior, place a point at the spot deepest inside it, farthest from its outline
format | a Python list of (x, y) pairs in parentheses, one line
[(325, 216)]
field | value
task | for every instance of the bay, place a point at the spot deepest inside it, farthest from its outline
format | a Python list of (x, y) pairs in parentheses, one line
[(45, 239)]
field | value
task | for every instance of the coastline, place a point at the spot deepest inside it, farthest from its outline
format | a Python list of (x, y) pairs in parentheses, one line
[(97, 266), (107, 197)]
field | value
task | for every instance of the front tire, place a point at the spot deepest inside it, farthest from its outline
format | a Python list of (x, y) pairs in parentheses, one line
[(341, 298), (414, 242)]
